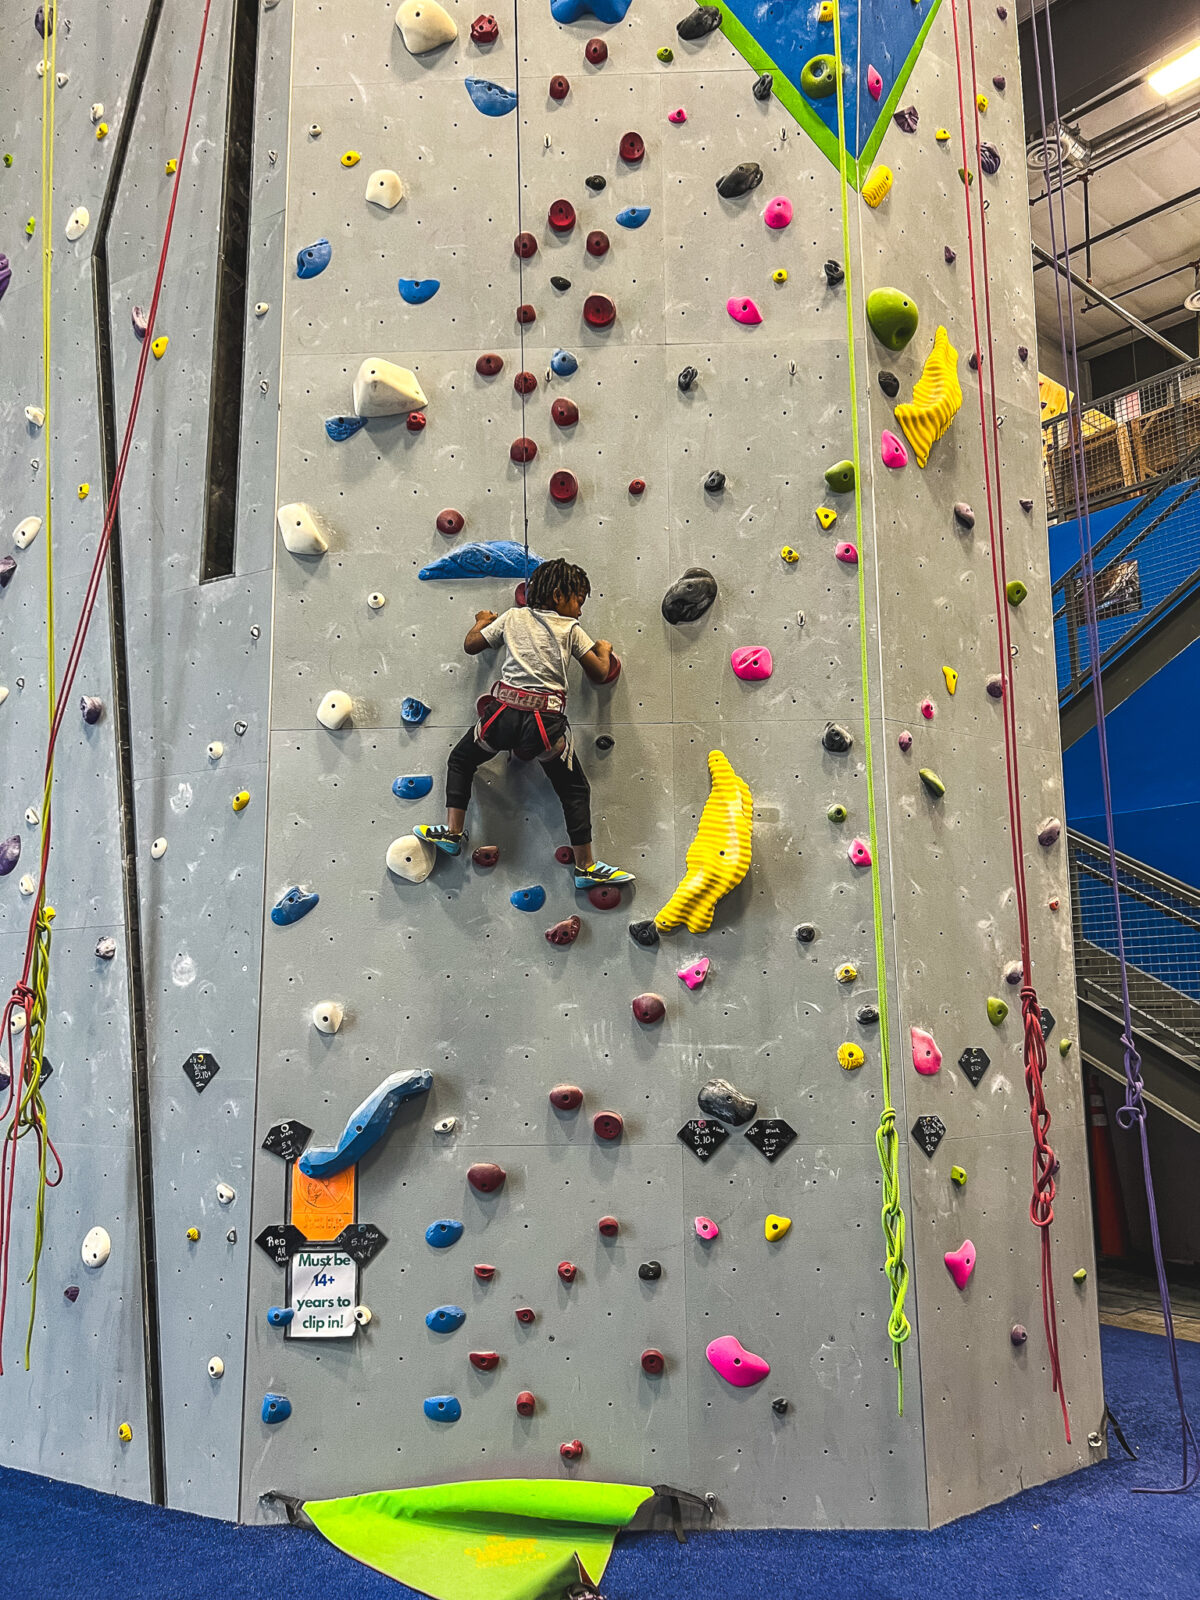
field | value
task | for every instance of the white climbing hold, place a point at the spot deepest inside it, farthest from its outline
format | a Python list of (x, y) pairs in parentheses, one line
[(445, 1126), (18, 1019), (158, 849), (97, 1247), (411, 858), (32, 816), (97, 110), (376, 601), (26, 883), (216, 750), (216, 1367), (424, 25), (301, 528), (327, 1016), (77, 222), (362, 1315), (35, 416), (334, 710), (26, 532), (62, 79), (225, 1195), (106, 947), (384, 188), (314, 130), (382, 389), (261, 307), (3, 693)]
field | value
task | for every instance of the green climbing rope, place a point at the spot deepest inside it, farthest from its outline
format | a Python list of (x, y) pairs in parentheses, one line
[(886, 1138)]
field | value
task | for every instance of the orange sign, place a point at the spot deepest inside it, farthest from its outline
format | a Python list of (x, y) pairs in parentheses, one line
[(322, 1207)]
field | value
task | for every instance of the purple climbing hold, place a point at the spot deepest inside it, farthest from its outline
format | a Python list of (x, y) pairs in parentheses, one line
[(1000, 82), (1023, 352), (973, 361), (1048, 832), (39, 21), (5, 273), (92, 708), (905, 741), (1018, 1334), (906, 120), (950, 255), (995, 686), (138, 318), (10, 854), (7, 567), (72, 1292), (989, 158)]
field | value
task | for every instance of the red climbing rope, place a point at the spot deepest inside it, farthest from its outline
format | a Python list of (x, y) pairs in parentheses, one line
[(1041, 1208), (23, 995)]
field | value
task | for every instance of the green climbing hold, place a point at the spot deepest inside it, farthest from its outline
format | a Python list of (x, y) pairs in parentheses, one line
[(837, 813), (30, 226), (840, 477), (1016, 591), (893, 317), (818, 77), (666, 53), (997, 1010), (958, 1175), (932, 782), (1064, 1047), (1080, 1275)]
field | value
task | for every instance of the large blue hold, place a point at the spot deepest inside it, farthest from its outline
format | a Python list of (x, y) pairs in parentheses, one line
[(276, 1408), (441, 1235), (633, 216), (602, 10), (368, 1124), (411, 788), (294, 905), (312, 261), (493, 99), (563, 363), (443, 1408), (339, 428), (531, 899), (445, 1319), (415, 291), (493, 558)]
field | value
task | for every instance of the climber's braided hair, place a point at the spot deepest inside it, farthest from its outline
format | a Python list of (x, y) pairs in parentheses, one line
[(556, 577)]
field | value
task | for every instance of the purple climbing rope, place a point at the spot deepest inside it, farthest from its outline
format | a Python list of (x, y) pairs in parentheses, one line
[(1133, 1112)]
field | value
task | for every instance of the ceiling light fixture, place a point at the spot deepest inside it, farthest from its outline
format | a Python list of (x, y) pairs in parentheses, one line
[(1176, 74)]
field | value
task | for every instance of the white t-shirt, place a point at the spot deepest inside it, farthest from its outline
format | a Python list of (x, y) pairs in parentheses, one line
[(540, 645)]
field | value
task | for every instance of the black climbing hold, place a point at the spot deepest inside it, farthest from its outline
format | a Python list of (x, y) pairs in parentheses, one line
[(973, 361), (699, 23), (596, 182), (1023, 352), (989, 158), (963, 514), (890, 384), (740, 181), (650, 1271), (1000, 82), (287, 1140), (806, 933), (1025, 505), (779, 1407), (719, 1098), (837, 739), (763, 86), (1046, 1021), (703, 1138), (561, 284), (906, 120), (689, 597), (201, 1068), (280, 1241), (644, 933), (770, 1136), (686, 379), (715, 482), (929, 1133), (867, 1015), (834, 274), (973, 1063), (362, 1241), (605, 741)]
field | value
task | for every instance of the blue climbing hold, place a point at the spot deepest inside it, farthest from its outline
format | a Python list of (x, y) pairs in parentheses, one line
[(368, 1124), (414, 712), (441, 1235), (294, 905), (493, 558), (276, 1408), (339, 428), (445, 1319), (602, 10), (531, 899), (443, 1408), (563, 363), (493, 99), (633, 216), (415, 291), (412, 788), (313, 260), (280, 1316)]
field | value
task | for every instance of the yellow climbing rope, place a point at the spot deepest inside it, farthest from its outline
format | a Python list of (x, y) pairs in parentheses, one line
[(886, 1138)]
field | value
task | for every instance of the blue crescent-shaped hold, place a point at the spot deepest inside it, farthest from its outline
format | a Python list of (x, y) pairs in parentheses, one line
[(563, 363), (294, 905), (276, 1408), (441, 1235), (444, 1319), (443, 1408), (339, 428), (415, 291), (412, 788), (633, 216), (493, 99), (602, 10), (531, 899), (414, 712), (280, 1316), (492, 558), (313, 259), (368, 1124)]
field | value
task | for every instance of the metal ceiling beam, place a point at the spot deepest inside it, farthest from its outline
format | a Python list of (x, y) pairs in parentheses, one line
[(1093, 293), (1121, 228)]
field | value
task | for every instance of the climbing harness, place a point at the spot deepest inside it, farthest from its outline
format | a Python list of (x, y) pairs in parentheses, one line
[(1133, 1112), (887, 1140)]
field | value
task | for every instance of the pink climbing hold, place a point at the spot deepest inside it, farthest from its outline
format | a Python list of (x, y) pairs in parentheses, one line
[(752, 662), (695, 975), (706, 1229), (927, 1058), (846, 552), (927, 709), (874, 83), (893, 452), (735, 1364), (742, 310), (859, 853), (960, 1263), (905, 741), (677, 116), (778, 212)]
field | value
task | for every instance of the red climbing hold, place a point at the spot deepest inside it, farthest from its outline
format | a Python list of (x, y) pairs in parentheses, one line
[(489, 365), (563, 487), (605, 896), (522, 450), (653, 1363), (567, 1271), (609, 1227), (633, 148), (415, 421), (637, 486), (566, 1097), (525, 245), (649, 1008), (526, 1315), (485, 30), (525, 315), (599, 311), (485, 1177), (597, 243), (565, 413), (450, 522), (519, 595), (524, 383), (486, 855), (608, 1125), (565, 932), (596, 51), (484, 1360), (561, 216), (484, 1271), (560, 87), (564, 855), (526, 1404), (572, 1450)]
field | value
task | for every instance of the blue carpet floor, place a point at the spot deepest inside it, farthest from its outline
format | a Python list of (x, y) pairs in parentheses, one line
[(1082, 1538)]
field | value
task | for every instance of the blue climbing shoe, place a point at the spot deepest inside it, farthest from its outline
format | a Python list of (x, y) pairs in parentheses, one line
[(439, 834), (599, 872)]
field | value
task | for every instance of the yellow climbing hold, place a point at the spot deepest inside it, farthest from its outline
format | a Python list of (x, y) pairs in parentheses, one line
[(160, 346), (102, 130), (718, 858), (171, 167), (826, 516), (951, 678), (124, 1433), (241, 800), (193, 1234), (1064, 1047), (958, 1175), (826, 12), (775, 1227), (846, 973), (789, 555), (875, 187), (84, 490), (937, 396), (850, 1056), (30, 226), (351, 158), (981, 100), (1080, 1275), (779, 275), (941, 135)]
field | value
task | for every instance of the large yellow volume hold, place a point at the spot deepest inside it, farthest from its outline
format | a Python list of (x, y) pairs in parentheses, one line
[(718, 857), (876, 184), (937, 395)]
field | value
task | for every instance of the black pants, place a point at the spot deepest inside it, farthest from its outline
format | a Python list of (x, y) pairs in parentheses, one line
[(518, 731)]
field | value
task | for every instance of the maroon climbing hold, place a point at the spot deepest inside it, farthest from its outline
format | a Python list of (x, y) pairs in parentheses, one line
[(485, 1177), (950, 255), (608, 1125), (484, 1360), (566, 1097), (564, 855), (566, 414), (572, 1450), (637, 486), (485, 30), (653, 1363), (525, 315), (561, 216), (526, 1404), (605, 896), (995, 686), (489, 365), (486, 855), (450, 522), (1000, 82), (522, 450), (1018, 1334), (597, 243), (72, 1292), (415, 421), (596, 51), (633, 148), (560, 87), (1022, 352), (649, 1008), (567, 1271), (563, 487), (526, 1315), (973, 361), (519, 595), (609, 1227), (565, 932), (599, 311), (484, 1271), (525, 245), (524, 383)]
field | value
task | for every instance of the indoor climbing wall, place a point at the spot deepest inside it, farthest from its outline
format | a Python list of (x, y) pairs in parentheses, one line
[(564, 283)]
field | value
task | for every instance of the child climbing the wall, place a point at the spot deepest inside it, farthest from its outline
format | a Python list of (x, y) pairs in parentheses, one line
[(525, 712)]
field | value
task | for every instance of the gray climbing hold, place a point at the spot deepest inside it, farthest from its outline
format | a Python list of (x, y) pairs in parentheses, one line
[(644, 933), (740, 181), (719, 1098), (890, 384), (834, 274), (763, 86), (715, 482), (836, 738), (367, 1124), (699, 23), (689, 597), (906, 119), (963, 515)]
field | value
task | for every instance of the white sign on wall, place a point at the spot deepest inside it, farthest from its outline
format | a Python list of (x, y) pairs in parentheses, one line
[(324, 1286)]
